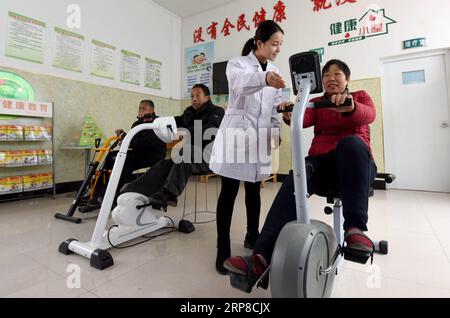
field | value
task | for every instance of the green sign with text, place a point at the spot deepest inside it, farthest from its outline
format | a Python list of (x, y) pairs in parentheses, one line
[(413, 43)]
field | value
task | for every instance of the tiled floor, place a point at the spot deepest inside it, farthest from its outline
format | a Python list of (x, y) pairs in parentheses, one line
[(416, 224)]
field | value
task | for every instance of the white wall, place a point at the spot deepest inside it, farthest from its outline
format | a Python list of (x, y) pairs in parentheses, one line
[(306, 30), (138, 26)]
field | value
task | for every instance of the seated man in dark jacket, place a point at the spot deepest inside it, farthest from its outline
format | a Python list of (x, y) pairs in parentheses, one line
[(166, 180), (146, 149)]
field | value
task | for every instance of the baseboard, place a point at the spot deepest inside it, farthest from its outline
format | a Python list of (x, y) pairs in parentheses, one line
[(25, 195), (60, 189), (66, 187)]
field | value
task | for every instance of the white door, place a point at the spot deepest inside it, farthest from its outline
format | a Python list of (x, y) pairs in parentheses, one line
[(416, 122)]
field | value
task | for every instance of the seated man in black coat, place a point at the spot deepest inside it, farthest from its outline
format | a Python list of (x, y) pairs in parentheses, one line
[(146, 149), (166, 180)]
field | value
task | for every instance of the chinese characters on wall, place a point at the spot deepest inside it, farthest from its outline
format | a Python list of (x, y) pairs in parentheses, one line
[(25, 108), (372, 23), (242, 22), (327, 4)]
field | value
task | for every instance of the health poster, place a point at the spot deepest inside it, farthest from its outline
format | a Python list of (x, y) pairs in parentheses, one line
[(130, 68), (198, 62), (152, 74), (25, 39), (68, 50), (103, 59)]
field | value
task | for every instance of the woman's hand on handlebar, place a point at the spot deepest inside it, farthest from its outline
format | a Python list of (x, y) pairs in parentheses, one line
[(275, 80), (339, 99), (283, 106)]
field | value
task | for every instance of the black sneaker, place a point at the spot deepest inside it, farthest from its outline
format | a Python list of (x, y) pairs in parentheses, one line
[(165, 198), (172, 201), (155, 203), (89, 207)]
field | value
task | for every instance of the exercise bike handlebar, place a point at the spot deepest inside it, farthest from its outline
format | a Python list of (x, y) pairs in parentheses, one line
[(319, 104), (329, 104)]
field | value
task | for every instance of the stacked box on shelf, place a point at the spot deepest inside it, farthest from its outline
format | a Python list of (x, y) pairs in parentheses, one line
[(25, 157), (3, 132), (32, 182), (39, 132), (29, 157), (2, 158), (47, 180), (14, 184), (28, 132), (47, 132), (3, 188), (14, 158), (14, 132), (44, 156)]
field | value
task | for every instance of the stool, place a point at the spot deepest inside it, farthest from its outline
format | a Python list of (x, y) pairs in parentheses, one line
[(273, 177), (201, 178)]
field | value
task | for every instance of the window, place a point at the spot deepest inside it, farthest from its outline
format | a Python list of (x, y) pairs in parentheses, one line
[(413, 77)]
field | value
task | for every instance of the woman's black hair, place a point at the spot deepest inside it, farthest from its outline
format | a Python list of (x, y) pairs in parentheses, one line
[(264, 32), (340, 65)]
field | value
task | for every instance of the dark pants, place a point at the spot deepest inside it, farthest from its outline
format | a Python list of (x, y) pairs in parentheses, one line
[(349, 169), (135, 160), (168, 177), (225, 205)]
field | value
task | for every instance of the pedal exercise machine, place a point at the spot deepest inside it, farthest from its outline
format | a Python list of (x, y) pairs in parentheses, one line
[(134, 215)]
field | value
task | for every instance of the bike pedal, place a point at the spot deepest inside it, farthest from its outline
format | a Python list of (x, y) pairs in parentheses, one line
[(357, 256), (240, 282)]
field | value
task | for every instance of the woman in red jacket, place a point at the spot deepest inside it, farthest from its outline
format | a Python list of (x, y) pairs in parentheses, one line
[(339, 158)]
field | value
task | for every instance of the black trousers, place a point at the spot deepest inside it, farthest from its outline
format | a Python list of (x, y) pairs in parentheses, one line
[(135, 160), (166, 176), (349, 170), (225, 206)]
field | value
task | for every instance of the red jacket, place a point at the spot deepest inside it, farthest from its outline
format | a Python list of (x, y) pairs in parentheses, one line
[(330, 127)]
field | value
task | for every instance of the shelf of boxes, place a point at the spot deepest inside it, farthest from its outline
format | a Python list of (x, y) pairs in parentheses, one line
[(26, 147)]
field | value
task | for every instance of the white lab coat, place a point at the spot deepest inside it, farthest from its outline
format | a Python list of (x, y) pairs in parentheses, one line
[(251, 114)]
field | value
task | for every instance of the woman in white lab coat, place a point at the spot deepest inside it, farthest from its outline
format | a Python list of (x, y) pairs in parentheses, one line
[(242, 147)]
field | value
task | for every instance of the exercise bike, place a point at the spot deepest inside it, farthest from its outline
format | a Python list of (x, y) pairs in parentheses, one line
[(307, 253), (134, 215)]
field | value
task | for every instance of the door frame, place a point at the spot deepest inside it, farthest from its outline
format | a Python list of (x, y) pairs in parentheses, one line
[(402, 57)]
